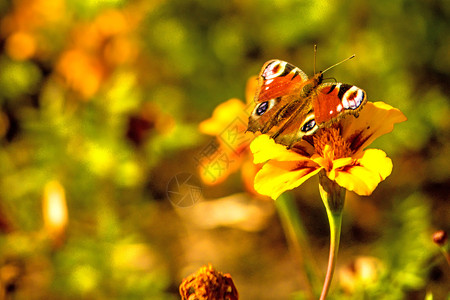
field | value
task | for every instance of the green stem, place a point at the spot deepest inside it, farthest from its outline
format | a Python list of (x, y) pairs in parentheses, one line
[(441, 240), (297, 238), (445, 251), (335, 233), (333, 197)]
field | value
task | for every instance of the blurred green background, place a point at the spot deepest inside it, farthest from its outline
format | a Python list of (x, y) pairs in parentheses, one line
[(100, 103)]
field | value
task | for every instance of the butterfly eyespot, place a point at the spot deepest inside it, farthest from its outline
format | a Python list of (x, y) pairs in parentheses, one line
[(274, 69), (262, 108), (308, 126)]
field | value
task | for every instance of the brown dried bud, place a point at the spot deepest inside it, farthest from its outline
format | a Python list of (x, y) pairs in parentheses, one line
[(208, 284), (440, 238)]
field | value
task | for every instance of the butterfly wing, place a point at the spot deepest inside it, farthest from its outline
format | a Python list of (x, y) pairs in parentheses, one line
[(279, 78), (299, 123), (280, 84), (333, 101), (326, 104), (290, 106)]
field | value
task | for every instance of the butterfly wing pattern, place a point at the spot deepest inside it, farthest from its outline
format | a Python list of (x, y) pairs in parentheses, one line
[(334, 100), (289, 105)]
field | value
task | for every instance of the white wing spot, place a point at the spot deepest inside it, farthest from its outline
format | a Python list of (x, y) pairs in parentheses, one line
[(345, 102), (353, 98)]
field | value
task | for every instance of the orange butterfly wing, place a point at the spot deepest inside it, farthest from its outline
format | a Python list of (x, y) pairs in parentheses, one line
[(279, 78), (335, 100), (290, 106), (279, 86)]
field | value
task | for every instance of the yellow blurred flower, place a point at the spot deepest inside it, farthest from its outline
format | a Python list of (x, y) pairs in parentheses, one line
[(83, 53), (25, 27), (21, 45), (362, 272), (55, 213), (111, 22), (81, 72), (337, 150), (230, 150)]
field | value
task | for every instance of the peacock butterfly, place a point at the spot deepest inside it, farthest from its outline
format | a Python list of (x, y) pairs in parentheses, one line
[(290, 106)]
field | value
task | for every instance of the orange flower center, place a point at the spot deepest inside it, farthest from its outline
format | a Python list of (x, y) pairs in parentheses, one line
[(329, 143)]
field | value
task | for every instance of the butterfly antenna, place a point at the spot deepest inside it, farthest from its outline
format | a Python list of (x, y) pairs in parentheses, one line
[(348, 58), (315, 54)]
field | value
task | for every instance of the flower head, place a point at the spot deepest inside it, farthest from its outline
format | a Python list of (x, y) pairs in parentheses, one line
[(338, 150), (229, 151), (440, 238), (208, 283)]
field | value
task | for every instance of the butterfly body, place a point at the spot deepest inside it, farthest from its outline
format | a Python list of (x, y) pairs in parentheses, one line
[(289, 105)]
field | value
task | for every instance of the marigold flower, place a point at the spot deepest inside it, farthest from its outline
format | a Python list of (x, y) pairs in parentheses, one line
[(338, 150), (230, 150), (208, 283)]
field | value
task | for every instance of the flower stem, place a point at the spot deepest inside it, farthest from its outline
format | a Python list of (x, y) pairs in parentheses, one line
[(335, 233), (441, 240), (333, 197), (298, 240)]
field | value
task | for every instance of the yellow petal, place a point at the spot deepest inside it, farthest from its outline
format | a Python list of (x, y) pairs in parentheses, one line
[(375, 120), (264, 148), (229, 112), (328, 164), (363, 176), (249, 171), (233, 139), (215, 168), (250, 90), (276, 177), (342, 162)]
